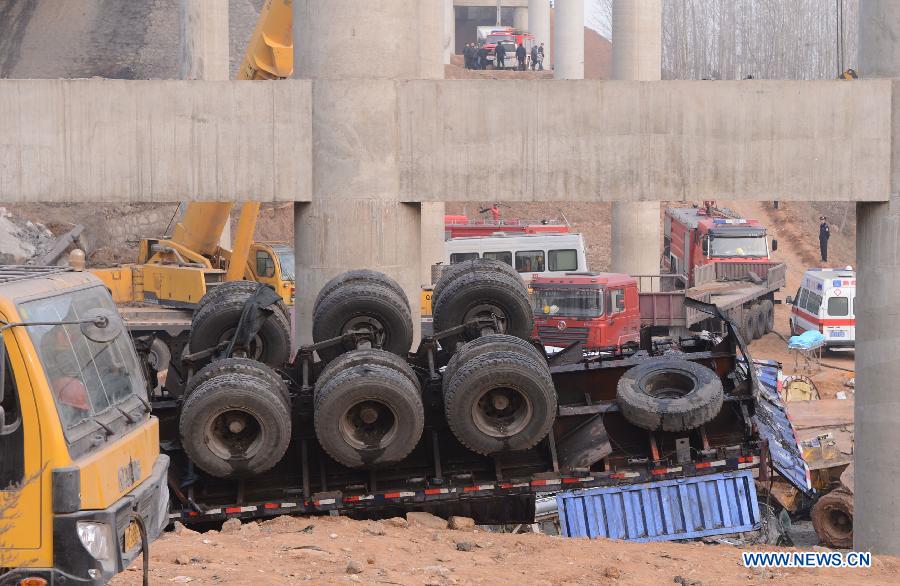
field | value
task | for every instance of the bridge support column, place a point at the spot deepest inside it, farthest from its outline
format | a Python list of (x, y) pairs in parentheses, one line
[(539, 22), (877, 408), (449, 30), (357, 218), (637, 55), (204, 39), (520, 18), (568, 40)]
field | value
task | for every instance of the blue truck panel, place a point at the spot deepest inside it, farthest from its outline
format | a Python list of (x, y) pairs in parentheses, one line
[(774, 425), (684, 508)]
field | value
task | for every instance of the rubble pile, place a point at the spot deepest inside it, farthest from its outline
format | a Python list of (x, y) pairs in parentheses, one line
[(22, 241)]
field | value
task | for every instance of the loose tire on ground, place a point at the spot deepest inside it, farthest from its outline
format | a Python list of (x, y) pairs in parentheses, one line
[(768, 312), (451, 272), (748, 325), (368, 356), (669, 395), (360, 276), (216, 321), (481, 294), (357, 305), (759, 321), (235, 420), (490, 343), (368, 416), (832, 518), (160, 355), (500, 402)]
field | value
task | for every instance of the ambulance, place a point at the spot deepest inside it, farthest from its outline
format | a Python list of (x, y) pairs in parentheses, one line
[(825, 302)]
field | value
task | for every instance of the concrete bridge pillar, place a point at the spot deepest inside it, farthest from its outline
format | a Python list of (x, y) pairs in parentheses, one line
[(204, 39), (449, 30), (568, 40), (539, 22), (520, 18), (357, 218), (876, 527), (637, 55)]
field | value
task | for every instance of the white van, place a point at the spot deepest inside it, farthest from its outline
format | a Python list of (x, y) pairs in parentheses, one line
[(825, 302), (547, 255)]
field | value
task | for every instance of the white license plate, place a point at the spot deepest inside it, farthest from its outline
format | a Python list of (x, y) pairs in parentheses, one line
[(837, 334)]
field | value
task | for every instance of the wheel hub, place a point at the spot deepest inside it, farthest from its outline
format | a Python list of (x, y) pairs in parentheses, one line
[(502, 412), (234, 435), (368, 424)]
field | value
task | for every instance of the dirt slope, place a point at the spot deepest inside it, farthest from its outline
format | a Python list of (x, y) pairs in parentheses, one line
[(321, 551)]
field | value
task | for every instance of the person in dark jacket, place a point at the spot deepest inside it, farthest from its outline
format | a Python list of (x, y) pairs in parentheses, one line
[(824, 235), (520, 56), (534, 57), (481, 56), (467, 55), (500, 57), (541, 57)]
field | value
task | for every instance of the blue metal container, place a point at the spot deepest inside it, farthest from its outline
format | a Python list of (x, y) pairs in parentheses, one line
[(684, 508)]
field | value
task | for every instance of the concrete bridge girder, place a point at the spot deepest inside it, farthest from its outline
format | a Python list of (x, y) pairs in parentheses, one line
[(165, 141)]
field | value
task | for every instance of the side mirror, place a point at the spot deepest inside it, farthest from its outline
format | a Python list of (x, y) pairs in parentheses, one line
[(789, 300), (102, 325), (774, 245)]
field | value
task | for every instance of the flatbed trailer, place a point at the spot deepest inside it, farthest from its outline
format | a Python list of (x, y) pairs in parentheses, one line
[(738, 290)]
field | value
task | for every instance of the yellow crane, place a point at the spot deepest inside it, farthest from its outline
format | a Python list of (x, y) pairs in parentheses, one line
[(179, 270)]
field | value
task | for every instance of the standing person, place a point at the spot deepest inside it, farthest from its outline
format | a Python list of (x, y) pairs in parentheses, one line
[(500, 56), (534, 57), (481, 56), (470, 56), (520, 56), (824, 235), (541, 57)]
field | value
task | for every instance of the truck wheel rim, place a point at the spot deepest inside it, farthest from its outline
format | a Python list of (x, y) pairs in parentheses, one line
[(501, 412), (668, 384), (367, 323), (255, 350), (487, 310), (841, 524), (233, 434), (368, 424)]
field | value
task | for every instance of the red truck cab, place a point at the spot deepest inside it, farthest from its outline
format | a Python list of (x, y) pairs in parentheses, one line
[(600, 310), (698, 236)]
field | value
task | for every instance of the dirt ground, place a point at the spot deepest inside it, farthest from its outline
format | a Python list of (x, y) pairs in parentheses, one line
[(336, 550)]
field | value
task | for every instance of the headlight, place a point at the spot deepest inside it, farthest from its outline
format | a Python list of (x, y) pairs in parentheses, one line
[(96, 538), (162, 507)]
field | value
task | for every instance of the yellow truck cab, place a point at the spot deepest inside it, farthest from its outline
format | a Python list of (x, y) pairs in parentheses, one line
[(272, 263), (82, 483)]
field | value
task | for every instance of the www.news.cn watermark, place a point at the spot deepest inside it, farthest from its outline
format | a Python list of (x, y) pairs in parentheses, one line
[(806, 559)]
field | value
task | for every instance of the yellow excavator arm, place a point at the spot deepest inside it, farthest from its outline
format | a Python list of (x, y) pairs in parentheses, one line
[(270, 53)]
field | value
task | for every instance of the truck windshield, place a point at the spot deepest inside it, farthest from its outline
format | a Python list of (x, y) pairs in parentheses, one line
[(568, 302), (753, 246), (286, 258), (86, 377)]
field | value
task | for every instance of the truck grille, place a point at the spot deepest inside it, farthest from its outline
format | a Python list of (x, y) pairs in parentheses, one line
[(553, 336)]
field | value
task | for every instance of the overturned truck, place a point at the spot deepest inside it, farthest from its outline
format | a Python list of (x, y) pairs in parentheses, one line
[(476, 421)]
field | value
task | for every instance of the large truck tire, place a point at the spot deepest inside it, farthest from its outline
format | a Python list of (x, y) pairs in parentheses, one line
[(244, 289), (360, 276), (368, 416), (482, 294), (490, 343), (768, 312), (759, 321), (217, 320), (669, 395), (361, 305), (747, 325), (500, 401), (368, 356), (832, 518), (451, 272), (159, 355), (235, 420)]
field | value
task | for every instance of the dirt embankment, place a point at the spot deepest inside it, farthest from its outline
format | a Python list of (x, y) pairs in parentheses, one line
[(336, 550)]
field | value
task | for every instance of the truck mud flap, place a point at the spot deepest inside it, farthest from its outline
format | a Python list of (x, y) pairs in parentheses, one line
[(684, 508), (772, 421)]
